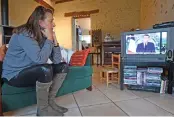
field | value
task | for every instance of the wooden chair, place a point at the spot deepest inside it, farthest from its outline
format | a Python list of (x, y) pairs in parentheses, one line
[(113, 72)]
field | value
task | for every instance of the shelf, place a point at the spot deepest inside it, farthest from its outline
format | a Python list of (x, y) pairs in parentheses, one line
[(6, 26), (7, 32), (9, 36), (109, 48)]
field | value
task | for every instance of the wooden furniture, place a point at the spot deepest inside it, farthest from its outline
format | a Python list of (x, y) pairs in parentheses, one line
[(98, 54), (112, 73), (6, 33), (96, 42), (109, 48)]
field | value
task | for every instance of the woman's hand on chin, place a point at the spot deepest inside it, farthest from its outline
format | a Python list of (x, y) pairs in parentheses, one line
[(48, 33)]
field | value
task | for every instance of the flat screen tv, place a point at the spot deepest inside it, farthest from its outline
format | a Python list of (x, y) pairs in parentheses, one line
[(147, 45)]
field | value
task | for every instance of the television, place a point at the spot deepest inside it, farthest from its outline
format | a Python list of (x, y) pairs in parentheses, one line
[(147, 45)]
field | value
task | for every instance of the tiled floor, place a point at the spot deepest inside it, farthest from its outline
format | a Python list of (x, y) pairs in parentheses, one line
[(103, 101)]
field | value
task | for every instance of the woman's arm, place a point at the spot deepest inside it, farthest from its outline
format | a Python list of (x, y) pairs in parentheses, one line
[(56, 56), (33, 51)]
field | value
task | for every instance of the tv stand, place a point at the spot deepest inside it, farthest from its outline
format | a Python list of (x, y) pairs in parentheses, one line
[(170, 77), (163, 65)]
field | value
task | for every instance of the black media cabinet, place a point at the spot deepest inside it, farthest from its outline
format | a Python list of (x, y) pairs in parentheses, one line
[(166, 67)]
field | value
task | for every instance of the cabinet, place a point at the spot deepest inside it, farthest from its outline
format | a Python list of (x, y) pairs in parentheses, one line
[(148, 81), (110, 48), (7, 32)]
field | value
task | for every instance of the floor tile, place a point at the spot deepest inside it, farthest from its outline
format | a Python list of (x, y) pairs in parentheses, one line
[(66, 101), (33, 115), (141, 107), (73, 112), (144, 94), (85, 90), (118, 95), (90, 98), (103, 86), (102, 110), (23, 111), (164, 101)]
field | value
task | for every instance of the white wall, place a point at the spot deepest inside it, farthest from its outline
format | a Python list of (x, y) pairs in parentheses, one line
[(85, 24)]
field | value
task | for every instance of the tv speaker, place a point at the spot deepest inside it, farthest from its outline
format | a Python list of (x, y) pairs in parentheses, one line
[(170, 55)]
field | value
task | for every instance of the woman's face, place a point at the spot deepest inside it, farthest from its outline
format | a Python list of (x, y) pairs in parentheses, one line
[(48, 22)]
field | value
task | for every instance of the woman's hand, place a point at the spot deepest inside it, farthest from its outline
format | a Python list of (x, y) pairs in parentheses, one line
[(55, 39), (48, 33)]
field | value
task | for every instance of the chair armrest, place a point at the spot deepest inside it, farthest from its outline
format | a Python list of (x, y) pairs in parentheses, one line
[(79, 72)]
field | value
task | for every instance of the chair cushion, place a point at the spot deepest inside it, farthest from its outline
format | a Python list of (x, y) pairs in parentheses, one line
[(79, 58), (11, 90), (110, 70), (74, 73)]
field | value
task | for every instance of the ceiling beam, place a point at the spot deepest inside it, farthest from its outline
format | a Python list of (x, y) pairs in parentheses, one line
[(81, 13), (62, 1), (43, 3)]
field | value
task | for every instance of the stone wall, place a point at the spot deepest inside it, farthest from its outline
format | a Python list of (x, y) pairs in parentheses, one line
[(114, 17), (156, 11)]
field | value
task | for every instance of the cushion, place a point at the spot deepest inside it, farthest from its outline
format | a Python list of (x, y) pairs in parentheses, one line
[(11, 90), (79, 58), (66, 54)]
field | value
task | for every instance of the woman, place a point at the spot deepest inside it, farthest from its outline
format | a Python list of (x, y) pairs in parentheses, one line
[(25, 63)]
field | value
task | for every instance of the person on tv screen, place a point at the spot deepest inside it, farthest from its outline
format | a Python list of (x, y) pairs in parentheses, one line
[(146, 46), (132, 45)]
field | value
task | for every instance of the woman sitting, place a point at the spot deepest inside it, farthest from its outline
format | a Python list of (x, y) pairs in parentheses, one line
[(25, 64)]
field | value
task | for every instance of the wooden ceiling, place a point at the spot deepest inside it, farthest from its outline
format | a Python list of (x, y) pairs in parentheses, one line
[(61, 1)]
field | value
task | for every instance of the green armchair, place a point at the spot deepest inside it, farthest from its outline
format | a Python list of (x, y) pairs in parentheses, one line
[(78, 78)]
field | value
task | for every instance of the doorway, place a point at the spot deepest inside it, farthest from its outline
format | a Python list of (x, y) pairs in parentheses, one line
[(81, 33)]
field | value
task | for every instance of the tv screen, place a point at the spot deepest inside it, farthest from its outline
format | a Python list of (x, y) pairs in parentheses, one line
[(149, 43)]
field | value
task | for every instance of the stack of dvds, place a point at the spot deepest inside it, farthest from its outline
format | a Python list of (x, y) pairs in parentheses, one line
[(140, 76), (147, 79), (130, 75), (153, 76)]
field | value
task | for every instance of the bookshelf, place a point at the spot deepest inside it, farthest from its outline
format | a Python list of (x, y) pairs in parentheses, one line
[(109, 48), (6, 33)]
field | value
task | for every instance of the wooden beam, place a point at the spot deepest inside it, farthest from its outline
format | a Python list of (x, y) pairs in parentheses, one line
[(43, 3), (62, 1), (81, 13), (78, 17)]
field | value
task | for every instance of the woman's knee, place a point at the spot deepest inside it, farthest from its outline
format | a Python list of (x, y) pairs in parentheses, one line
[(64, 67), (61, 68), (47, 72)]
